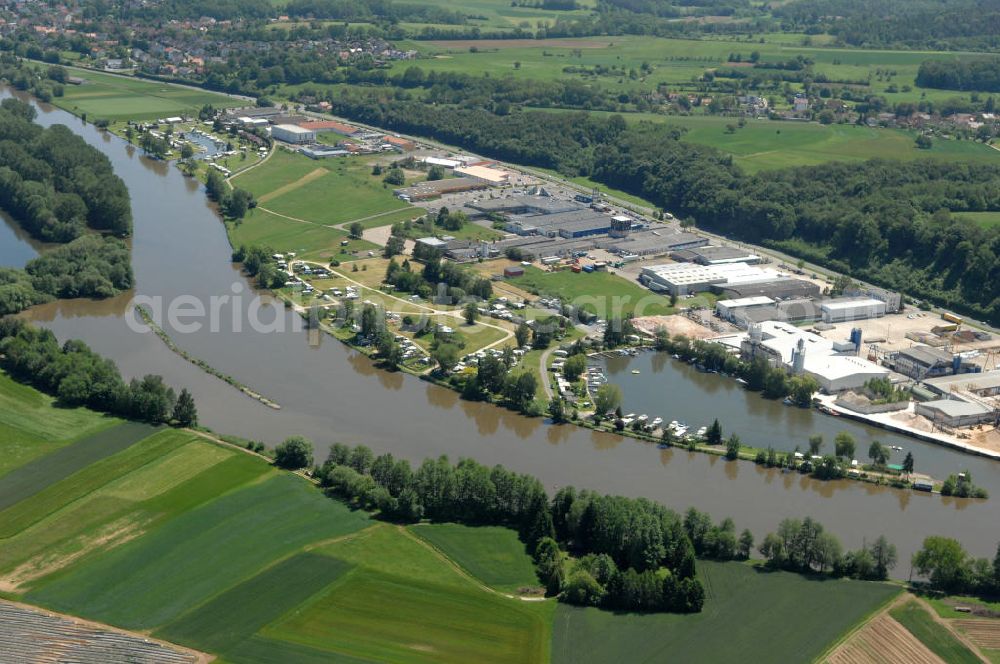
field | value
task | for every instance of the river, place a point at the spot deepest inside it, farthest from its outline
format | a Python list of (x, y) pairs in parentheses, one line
[(331, 393)]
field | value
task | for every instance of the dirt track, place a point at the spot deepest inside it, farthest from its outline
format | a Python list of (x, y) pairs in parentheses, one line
[(883, 641)]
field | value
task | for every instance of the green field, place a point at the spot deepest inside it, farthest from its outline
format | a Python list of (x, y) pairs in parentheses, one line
[(105, 506), (30, 426), (769, 144), (492, 554), (932, 634), (750, 615), (673, 62), (310, 241), (197, 555), (404, 603), (116, 97), (234, 616), (333, 191), (982, 218), (604, 293), (71, 472), (306, 206)]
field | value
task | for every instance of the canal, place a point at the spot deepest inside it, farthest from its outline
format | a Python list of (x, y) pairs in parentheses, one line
[(331, 393)]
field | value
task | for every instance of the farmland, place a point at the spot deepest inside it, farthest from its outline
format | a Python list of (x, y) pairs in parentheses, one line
[(601, 292), (31, 427), (492, 554), (437, 614), (211, 548), (742, 604), (115, 97), (939, 639), (197, 555), (673, 62), (762, 145)]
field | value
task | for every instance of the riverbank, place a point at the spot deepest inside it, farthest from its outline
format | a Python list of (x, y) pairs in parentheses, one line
[(886, 421)]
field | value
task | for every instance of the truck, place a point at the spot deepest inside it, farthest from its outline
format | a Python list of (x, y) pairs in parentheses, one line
[(951, 318)]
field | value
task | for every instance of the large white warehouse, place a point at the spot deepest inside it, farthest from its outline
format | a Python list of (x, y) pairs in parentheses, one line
[(844, 309), (293, 134)]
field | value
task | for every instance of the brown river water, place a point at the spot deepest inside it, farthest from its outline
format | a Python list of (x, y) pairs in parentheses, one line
[(329, 393)]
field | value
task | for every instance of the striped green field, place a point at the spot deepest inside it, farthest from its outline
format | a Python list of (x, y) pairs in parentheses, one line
[(199, 554), (31, 426)]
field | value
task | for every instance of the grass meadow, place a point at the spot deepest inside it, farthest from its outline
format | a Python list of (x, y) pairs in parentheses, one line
[(601, 292), (750, 615), (404, 602), (492, 554), (30, 425), (301, 201), (118, 97)]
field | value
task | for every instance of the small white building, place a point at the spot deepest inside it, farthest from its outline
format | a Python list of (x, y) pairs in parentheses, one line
[(293, 134)]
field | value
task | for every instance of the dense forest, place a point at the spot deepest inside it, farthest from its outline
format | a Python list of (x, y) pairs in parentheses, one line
[(77, 376), (61, 190), (888, 222), (937, 24), (55, 184), (979, 74)]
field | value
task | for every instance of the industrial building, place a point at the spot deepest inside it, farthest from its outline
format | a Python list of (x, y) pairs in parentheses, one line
[(893, 300), (834, 364), (922, 362), (956, 412), (320, 151), (726, 309), (422, 191), (493, 176), (524, 204), (711, 255), (329, 126), (780, 288), (840, 310), (685, 278), (789, 311), (655, 242), (985, 384), (293, 134)]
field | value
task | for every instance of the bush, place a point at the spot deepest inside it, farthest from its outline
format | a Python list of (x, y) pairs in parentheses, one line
[(296, 452)]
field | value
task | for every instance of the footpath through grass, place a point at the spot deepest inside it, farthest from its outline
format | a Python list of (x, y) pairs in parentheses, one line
[(938, 638), (492, 554), (402, 602), (750, 615)]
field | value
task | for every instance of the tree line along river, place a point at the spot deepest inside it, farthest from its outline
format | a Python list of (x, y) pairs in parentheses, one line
[(331, 393)]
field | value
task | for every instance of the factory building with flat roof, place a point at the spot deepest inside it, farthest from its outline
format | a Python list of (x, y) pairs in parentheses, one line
[(711, 255), (685, 278), (290, 133), (844, 309)]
